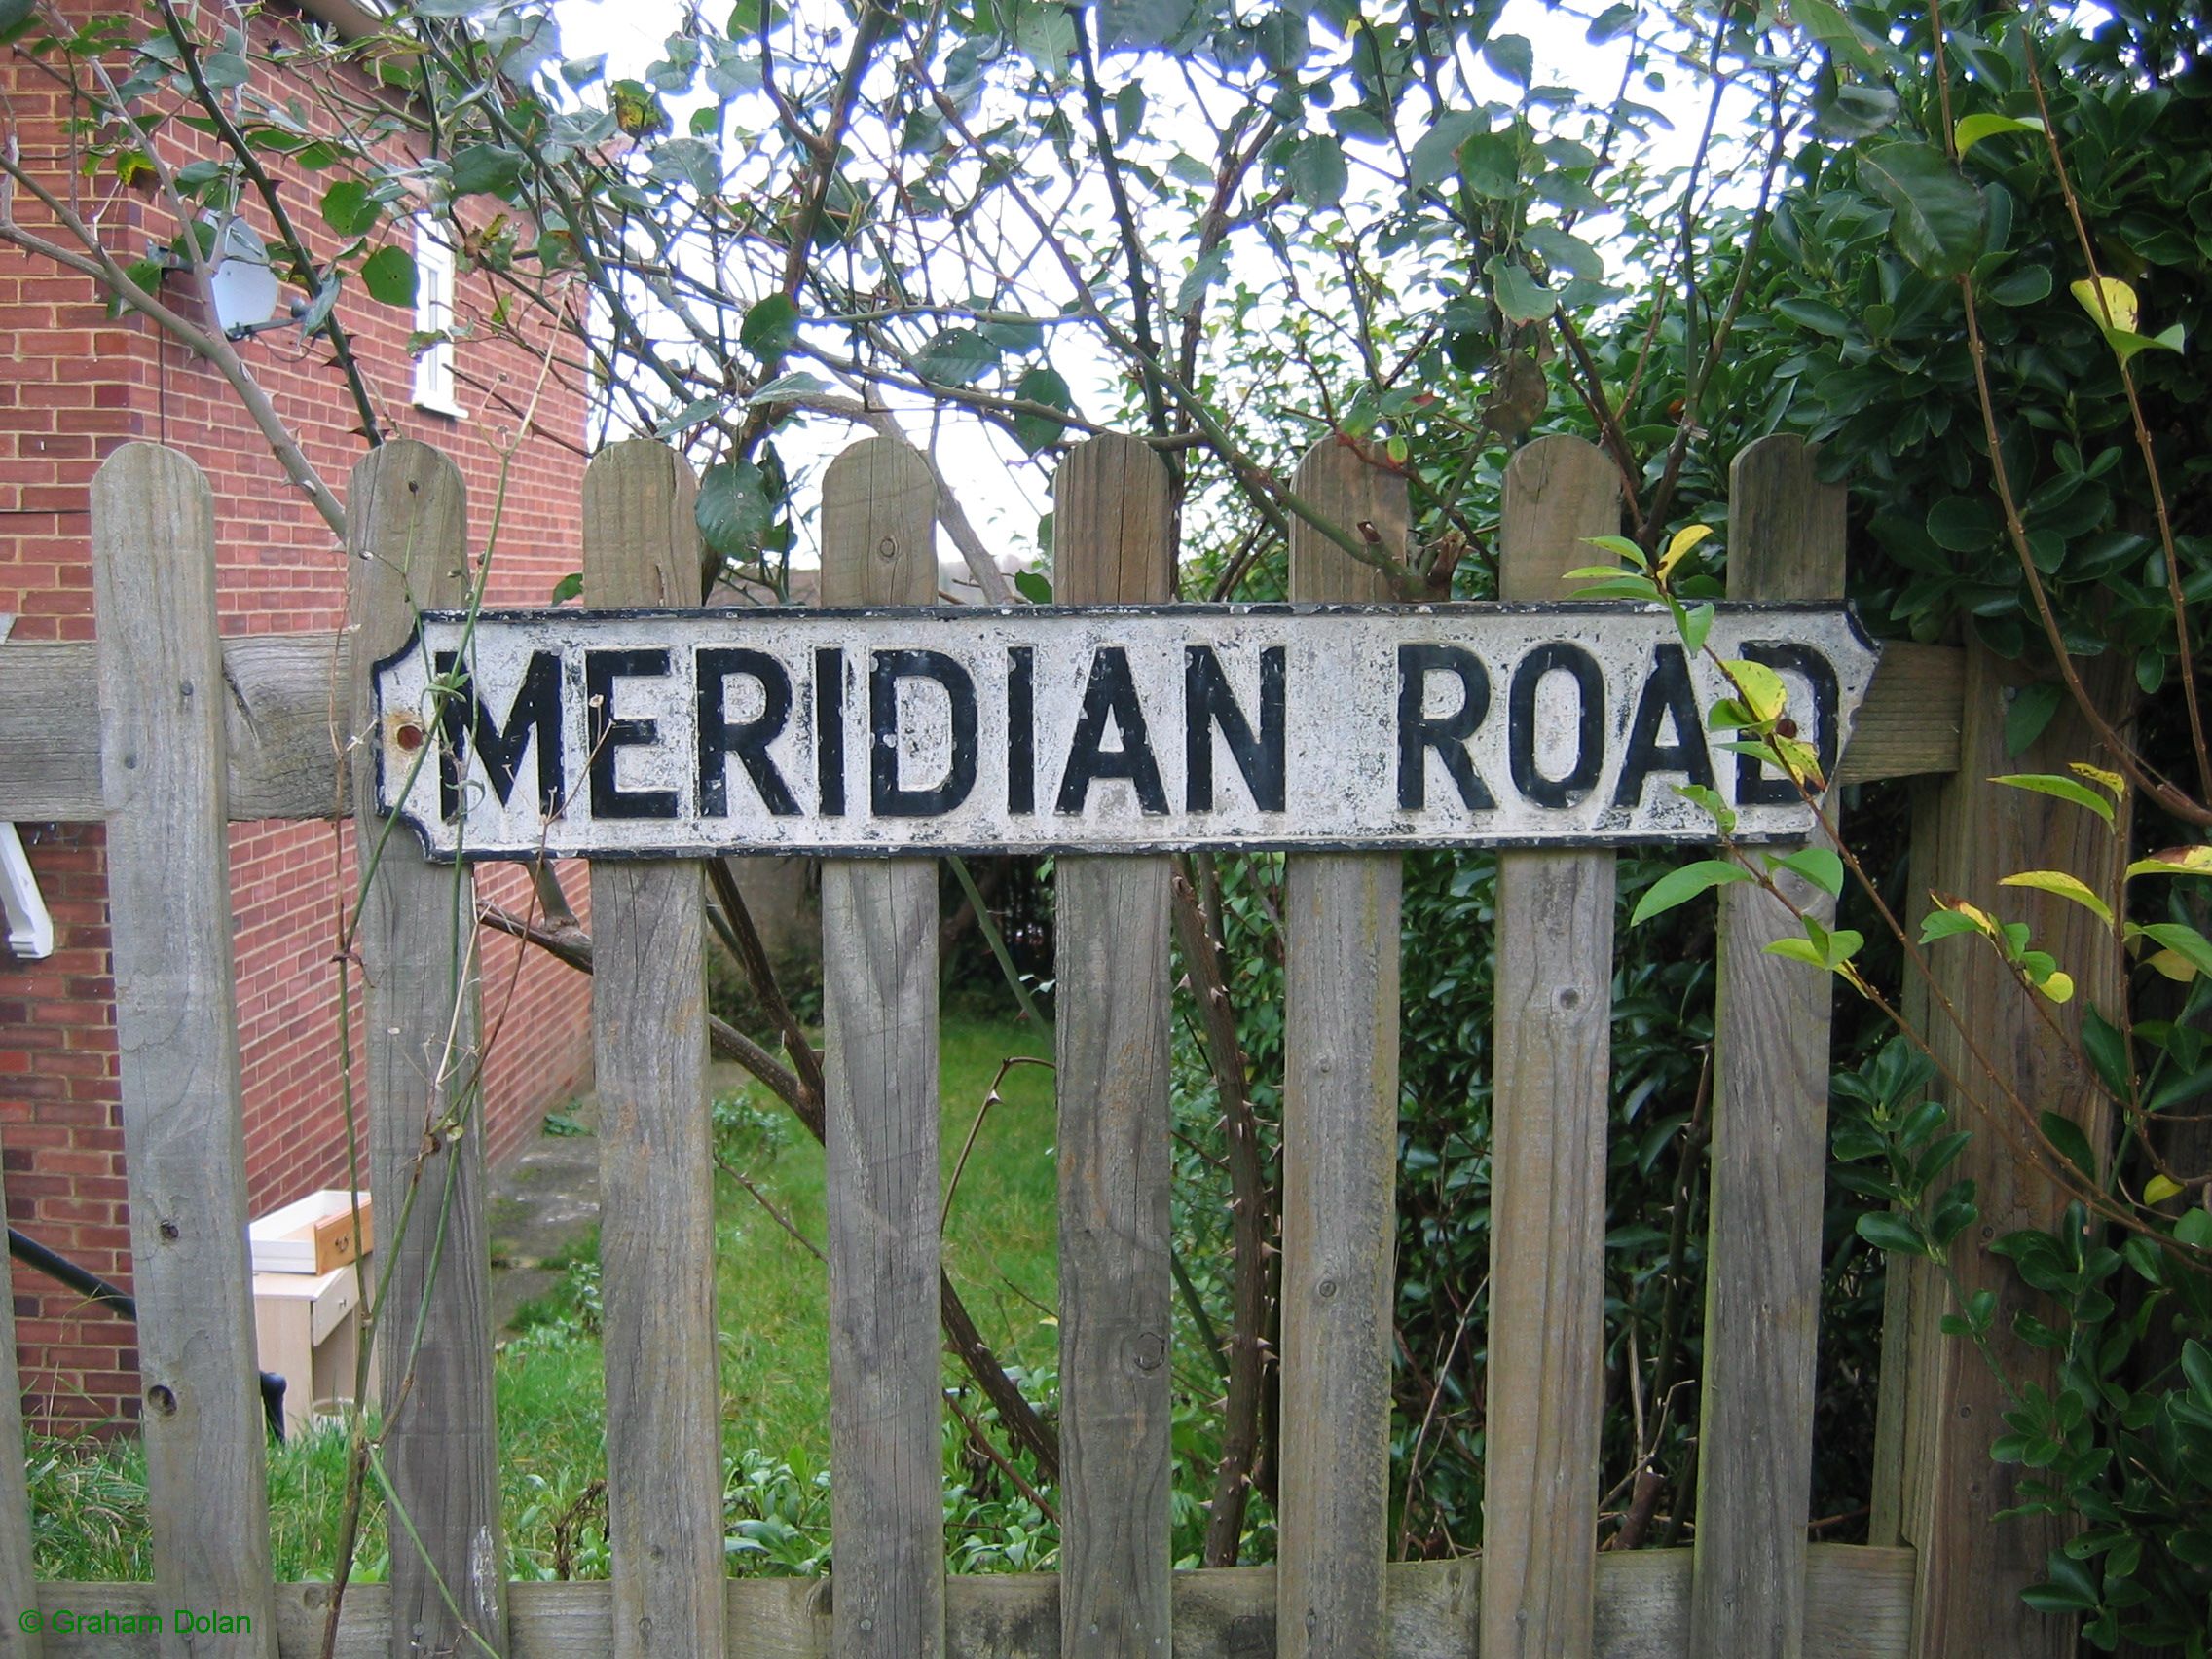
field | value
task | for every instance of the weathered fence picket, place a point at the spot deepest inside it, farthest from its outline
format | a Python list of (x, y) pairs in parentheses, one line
[(1340, 1155), (1935, 1487), (656, 1234), (196, 732), (1768, 1158), (1548, 1116), (1111, 525), (879, 920), (177, 1024), (407, 521)]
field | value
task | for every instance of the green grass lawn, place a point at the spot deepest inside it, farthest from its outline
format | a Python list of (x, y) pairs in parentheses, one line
[(1000, 1249)]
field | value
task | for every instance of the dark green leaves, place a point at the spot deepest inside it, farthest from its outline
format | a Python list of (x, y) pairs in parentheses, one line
[(225, 71), (1614, 21), (769, 327), (2066, 1136), (1815, 314), (1435, 156), (2024, 286), (1491, 165), (348, 210), (1316, 172), (1129, 111), (1511, 56), (2029, 714), (389, 275), (1853, 109), (695, 162), (734, 510), (1939, 220), (1886, 1229), (1520, 296), (1828, 24), (487, 170), (956, 356), (1964, 524), (1042, 385)]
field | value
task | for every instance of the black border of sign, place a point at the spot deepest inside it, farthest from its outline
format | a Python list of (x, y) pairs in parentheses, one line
[(1053, 849)]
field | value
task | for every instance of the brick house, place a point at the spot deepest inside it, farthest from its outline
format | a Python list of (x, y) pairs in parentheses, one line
[(74, 384)]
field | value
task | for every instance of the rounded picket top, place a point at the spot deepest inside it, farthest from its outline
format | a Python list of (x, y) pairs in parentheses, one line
[(641, 541), (1111, 514), (879, 526), (148, 481), (1785, 526), (1367, 502), (406, 532), (1560, 490)]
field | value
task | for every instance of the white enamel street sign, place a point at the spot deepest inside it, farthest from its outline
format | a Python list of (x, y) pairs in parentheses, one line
[(1094, 729)]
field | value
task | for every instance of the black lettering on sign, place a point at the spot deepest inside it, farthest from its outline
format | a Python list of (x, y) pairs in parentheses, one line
[(1418, 733), (1667, 696), (1558, 657), (1111, 694), (1754, 786), (886, 795), (748, 740), (1021, 730), (534, 714), (830, 730), (1208, 702), (609, 736)]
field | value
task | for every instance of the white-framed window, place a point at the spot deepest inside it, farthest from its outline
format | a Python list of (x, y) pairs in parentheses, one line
[(433, 314)]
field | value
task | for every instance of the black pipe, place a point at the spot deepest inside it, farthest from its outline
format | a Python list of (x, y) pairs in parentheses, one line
[(81, 1280), (108, 1294)]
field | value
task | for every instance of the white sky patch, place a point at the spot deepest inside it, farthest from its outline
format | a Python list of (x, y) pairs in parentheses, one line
[(1004, 491)]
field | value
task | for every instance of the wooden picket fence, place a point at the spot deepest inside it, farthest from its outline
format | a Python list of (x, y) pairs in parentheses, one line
[(196, 731)]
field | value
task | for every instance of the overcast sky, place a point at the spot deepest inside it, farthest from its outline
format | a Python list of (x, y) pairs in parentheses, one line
[(1005, 494)]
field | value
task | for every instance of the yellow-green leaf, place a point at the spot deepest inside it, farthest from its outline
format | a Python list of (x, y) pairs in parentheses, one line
[(1622, 547), (2193, 946), (2066, 887), (2174, 860), (2062, 789), (2110, 302), (1797, 950), (1802, 760), (2160, 1188), (1760, 688), (2057, 985), (1973, 128), (2173, 965), (2111, 782), (1683, 540)]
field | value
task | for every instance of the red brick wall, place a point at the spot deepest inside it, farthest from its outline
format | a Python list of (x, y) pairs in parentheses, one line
[(73, 385)]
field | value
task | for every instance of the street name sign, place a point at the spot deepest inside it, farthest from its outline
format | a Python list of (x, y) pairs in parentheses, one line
[(681, 733)]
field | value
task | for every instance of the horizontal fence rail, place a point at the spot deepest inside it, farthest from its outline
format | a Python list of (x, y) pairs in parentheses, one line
[(285, 737), (1857, 1605), (166, 732)]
